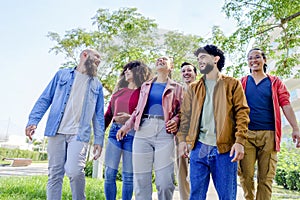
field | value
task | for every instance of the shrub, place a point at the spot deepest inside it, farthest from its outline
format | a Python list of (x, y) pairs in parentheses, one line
[(17, 153), (293, 180), (89, 168), (280, 177), (288, 168)]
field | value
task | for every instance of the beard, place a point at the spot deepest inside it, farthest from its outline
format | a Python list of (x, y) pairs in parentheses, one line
[(90, 67), (208, 68)]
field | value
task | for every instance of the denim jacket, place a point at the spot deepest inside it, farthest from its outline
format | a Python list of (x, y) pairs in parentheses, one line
[(57, 94)]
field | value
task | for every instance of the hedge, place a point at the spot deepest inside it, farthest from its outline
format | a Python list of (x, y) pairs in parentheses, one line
[(288, 168), (17, 153)]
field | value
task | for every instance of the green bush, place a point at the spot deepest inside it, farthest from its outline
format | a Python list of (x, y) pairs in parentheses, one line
[(17, 153), (288, 168), (280, 177), (293, 180), (89, 168)]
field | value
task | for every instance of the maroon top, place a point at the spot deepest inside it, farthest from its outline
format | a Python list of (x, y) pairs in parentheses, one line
[(124, 100)]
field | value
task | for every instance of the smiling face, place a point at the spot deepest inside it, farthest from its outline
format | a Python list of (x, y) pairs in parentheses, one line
[(188, 74), (256, 61), (205, 63), (91, 63), (164, 63), (128, 75)]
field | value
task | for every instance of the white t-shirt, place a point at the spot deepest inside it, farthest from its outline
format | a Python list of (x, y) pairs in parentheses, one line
[(71, 119)]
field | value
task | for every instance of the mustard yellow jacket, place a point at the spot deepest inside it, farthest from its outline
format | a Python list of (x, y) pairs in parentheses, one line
[(231, 113)]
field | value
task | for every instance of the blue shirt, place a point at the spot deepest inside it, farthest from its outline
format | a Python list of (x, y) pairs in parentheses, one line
[(154, 103), (259, 98), (57, 94)]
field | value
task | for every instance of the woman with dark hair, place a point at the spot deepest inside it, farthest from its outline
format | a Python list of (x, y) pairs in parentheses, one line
[(121, 106), (263, 56), (265, 95), (156, 120)]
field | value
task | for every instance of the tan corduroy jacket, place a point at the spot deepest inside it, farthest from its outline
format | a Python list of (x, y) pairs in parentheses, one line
[(231, 113)]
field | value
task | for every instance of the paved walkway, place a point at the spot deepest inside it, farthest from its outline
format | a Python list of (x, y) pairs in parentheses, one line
[(30, 170), (211, 194), (41, 169)]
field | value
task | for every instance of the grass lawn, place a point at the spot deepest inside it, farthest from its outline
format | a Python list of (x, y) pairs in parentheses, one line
[(34, 188), (280, 193)]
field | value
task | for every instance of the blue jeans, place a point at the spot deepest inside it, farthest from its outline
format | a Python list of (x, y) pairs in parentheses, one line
[(114, 150), (205, 160)]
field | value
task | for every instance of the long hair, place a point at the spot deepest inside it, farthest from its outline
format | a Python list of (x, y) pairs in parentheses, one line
[(141, 73), (262, 54)]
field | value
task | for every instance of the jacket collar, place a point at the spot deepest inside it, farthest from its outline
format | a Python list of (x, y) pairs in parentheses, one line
[(90, 77), (170, 83), (271, 77), (220, 77)]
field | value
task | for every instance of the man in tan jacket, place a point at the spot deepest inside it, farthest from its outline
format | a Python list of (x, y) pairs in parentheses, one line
[(214, 121)]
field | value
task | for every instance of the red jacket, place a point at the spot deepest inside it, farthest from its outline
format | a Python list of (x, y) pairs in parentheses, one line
[(171, 100), (280, 96)]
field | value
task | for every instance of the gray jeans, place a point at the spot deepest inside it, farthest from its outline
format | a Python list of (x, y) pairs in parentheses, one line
[(153, 147), (66, 155)]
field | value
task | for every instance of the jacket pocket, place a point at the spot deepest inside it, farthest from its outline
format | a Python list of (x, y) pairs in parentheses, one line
[(62, 86), (62, 83), (94, 95), (272, 165)]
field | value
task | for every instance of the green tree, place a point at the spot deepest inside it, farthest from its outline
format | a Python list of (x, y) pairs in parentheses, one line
[(233, 49), (275, 27), (125, 35), (181, 47), (120, 36)]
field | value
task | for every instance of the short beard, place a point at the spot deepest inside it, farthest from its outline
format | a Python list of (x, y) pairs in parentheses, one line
[(208, 68), (90, 67)]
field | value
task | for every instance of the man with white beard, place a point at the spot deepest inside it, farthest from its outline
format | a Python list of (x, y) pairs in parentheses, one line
[(76, 99)]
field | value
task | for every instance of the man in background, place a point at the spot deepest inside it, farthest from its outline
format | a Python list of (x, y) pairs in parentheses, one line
[(188, 75)]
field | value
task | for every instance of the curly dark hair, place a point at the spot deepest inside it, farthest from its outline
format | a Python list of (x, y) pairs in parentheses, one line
[(215, 51), (141, 73), (262, 54)]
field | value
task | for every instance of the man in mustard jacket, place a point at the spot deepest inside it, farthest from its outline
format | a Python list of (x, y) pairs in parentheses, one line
[(214, 122)]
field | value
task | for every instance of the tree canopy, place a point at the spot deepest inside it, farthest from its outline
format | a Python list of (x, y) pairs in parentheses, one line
[(122, 36), (273, 25), (125, 35)]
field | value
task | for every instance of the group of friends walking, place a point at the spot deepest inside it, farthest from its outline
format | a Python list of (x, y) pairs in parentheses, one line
[(215, 128)]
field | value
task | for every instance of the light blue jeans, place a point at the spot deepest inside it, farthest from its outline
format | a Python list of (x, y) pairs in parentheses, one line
[(66, 155), (153, 146), (114, 150), (205, 160)]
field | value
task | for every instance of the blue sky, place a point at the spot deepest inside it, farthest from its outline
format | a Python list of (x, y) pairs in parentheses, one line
[(27, 65)]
